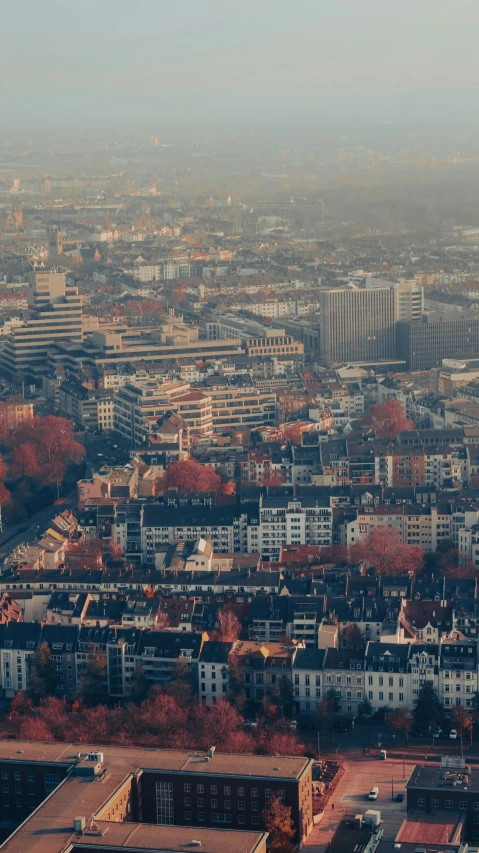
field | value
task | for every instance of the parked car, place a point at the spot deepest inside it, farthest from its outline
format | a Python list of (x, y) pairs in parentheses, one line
[(437, 732), (399, 798), (373, 794), (453, 734)]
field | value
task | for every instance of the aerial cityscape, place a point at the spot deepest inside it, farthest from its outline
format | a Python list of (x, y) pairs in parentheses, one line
[(239, 427)]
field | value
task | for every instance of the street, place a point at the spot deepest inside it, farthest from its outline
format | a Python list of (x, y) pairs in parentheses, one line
[(351, 798), (35, 525)]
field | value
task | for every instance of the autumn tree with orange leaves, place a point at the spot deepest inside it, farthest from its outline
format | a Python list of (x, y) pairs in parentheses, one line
[(389, 418), (384, 550), (43, 448), (189, 476)]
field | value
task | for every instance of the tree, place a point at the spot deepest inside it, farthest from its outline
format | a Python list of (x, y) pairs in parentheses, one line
[(384, 550), (139, 683), (50, 446), (333, 554), (428, 710), (400, 720), (365, 709), (84, 553), (92, 685), (328, 708), (353, 637), (229, 625), (41, 673), (463, 723), (272, 478), (228, 488), (190, 476), (293, 432), (279, 825), (389, 418)]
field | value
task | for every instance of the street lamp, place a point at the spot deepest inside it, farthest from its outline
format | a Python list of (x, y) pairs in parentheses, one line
[(392, 789)]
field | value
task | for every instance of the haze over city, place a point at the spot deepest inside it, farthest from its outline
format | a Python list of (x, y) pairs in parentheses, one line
[(239, 427)]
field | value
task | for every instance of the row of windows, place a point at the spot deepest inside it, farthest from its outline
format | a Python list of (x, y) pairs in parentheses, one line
[(227, 790)]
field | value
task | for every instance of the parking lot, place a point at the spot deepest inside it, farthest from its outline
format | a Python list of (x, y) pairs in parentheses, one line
[(351, 798)]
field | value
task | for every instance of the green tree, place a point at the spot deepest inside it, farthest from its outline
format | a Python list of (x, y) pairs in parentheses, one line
[(41, 673), (279, 824), (365, 709), (92, 683), (428, 710)]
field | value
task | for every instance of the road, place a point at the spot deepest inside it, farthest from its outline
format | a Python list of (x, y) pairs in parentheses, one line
[(351, 798), (36, 525), (100, 449)]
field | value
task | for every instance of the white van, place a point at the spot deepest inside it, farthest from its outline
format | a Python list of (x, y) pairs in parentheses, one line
[(373, 794)]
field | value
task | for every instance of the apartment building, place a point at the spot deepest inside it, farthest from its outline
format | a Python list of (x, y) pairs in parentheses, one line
[(261, 666), (307, 678), (159, 653), (161, 525), (18, 641), (343, 672), (140, 407), (244, 407), (88, 408), (213, 671), (458, 676), (287, 521), (386, 681)]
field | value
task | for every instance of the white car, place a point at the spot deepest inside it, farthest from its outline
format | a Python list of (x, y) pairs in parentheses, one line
[(453, 734)]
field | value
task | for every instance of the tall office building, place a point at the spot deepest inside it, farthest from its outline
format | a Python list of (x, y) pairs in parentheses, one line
[(423, 343), (55, 315), (408, 297), (357, 324)]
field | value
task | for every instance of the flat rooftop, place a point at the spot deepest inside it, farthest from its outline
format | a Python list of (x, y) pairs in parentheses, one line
[(50, 827), (438, 828), (141, 836), (428, 776)]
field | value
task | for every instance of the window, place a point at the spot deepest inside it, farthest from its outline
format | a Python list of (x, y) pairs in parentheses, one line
[(201, 815), (434, 804), (51, 782), (463, 805), (421, 802), (214, 804), (200, 789), (200, 803), (187, 801), (267, 793), (241, 818), (241, 805), (254, 820), (187, 788), (254, 807), (213, 789), (227, 804), (187, 815), (254, 792), (240, 792), (475, 806), (227, 791), (164, 803), (4, 774), (18, 777), (448, 804)]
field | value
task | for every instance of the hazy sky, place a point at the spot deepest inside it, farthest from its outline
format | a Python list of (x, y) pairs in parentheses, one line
[(115, 60)]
